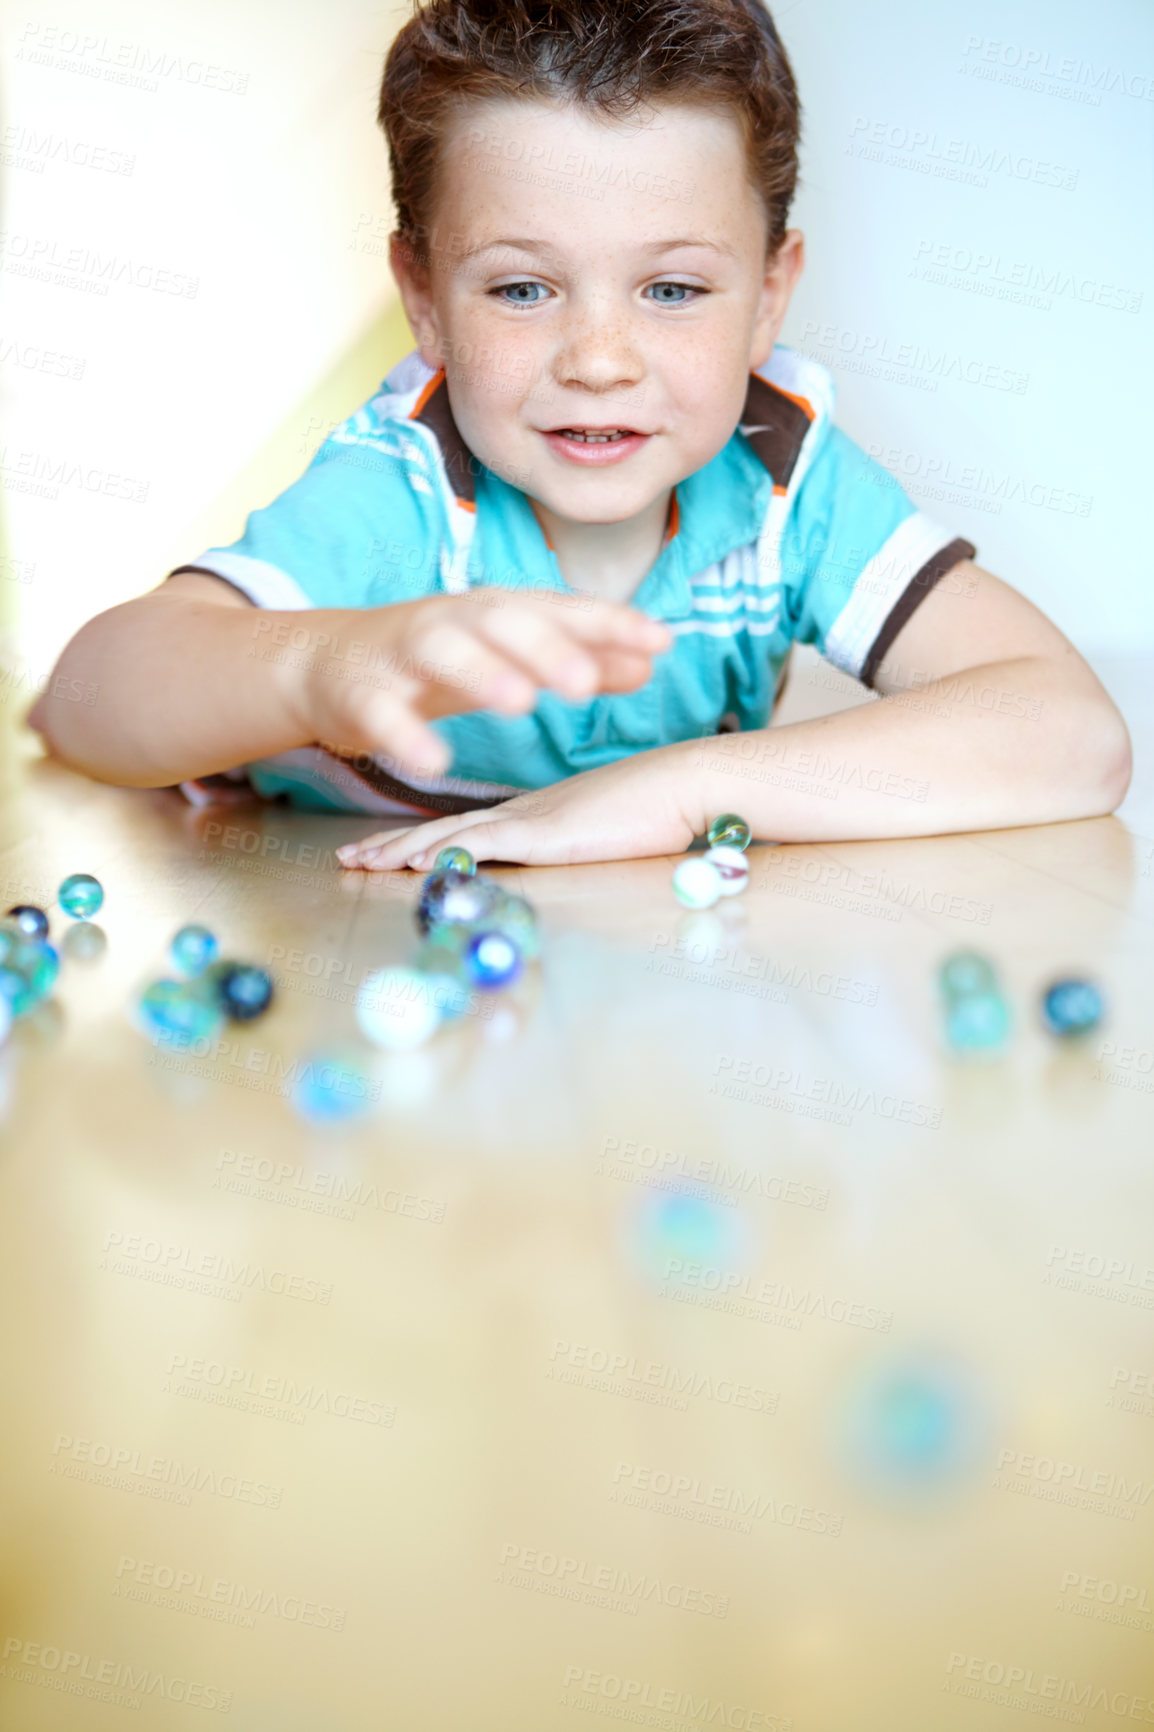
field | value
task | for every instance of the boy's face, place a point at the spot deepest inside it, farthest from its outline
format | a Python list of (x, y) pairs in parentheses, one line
[(586, 275)]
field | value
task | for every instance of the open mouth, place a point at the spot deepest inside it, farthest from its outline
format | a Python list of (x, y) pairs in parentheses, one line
[(595, 436)]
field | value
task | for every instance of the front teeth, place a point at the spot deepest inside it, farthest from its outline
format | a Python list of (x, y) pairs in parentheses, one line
[(593, 438)]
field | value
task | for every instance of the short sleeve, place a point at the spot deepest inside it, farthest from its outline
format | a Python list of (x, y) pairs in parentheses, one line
[(858, 557), (362, 527)]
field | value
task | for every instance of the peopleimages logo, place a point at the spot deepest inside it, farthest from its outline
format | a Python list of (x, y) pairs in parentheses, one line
[(214, 1597), (610, 1585), (602, 1688), (1023, 1687), (78, 1674)]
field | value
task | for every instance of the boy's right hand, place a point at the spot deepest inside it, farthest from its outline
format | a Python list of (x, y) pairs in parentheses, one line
[(490, 649)]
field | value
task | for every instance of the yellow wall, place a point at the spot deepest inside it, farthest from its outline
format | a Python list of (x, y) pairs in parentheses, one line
[(194, 211), (286, 454)]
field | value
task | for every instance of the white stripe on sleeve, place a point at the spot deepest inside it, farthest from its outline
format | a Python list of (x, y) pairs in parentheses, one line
[(265, 584), (879, 586)]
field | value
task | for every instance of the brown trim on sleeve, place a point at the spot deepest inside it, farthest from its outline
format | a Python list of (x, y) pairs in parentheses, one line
[(437, 805), (207, 571), (911, 599)]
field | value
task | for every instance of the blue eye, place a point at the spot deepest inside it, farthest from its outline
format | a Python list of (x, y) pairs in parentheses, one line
[(678, 289), (519, 299)]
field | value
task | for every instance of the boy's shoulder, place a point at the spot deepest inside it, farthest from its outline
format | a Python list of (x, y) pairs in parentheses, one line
[(408, 419), (418, 476)]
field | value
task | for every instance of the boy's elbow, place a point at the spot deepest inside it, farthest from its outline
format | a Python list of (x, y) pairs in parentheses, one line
[(1110, 758), (1118, 762), (37, 720), (41, 718)]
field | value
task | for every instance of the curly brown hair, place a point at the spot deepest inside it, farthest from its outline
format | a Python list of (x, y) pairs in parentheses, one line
[(609, 55)]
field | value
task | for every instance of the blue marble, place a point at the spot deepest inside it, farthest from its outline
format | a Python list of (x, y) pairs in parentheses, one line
[(193, 948), (178, 1012), (492, 960), (81, 895), (14, 992), (678, 1236), (977, 1021), (1071, 1007), (330, 1088), (913, 1427), (243, 990), (32, 921), (28, 970)]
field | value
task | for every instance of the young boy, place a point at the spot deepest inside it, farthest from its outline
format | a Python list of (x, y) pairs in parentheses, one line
[(544, 584)]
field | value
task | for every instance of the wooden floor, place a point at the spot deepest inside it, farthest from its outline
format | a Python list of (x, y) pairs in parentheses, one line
[(689, 1341)]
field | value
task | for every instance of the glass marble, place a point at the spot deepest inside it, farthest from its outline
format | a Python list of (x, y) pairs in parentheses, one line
[(912, 1428), (492, 960), (967, 972), (696, 884), (1072, 1007), (13, 986), (28, 974), (178, 1012), (729, 831), (452, 898), (193, 948), (977, 1021), (81, 895), (32, 921), (732, 867), (397, 1008), (517, 919), (669, 1233), (330, 1088), (243, 991), (455, 860)]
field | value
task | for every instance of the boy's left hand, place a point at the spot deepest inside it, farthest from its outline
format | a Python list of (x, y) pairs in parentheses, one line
[(639, 806)]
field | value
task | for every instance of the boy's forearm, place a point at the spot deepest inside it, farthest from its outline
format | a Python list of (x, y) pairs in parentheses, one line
[(1015, 742), (182, 689)]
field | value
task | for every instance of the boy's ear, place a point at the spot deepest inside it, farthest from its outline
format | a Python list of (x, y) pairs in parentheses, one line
[(415, 284), (781, 278)]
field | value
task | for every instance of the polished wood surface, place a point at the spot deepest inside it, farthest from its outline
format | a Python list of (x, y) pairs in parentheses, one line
[(687, 1340)]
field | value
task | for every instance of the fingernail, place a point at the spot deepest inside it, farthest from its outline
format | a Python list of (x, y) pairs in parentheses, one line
[(417, 859)]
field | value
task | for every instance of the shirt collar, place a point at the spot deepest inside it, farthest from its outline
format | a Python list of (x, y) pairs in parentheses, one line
[(716, 509)]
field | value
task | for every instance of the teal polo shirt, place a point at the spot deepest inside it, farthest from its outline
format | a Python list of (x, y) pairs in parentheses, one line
[(791, 534)]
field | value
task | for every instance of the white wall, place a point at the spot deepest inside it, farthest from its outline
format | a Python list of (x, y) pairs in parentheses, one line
[(196, 187), (978, 197)]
